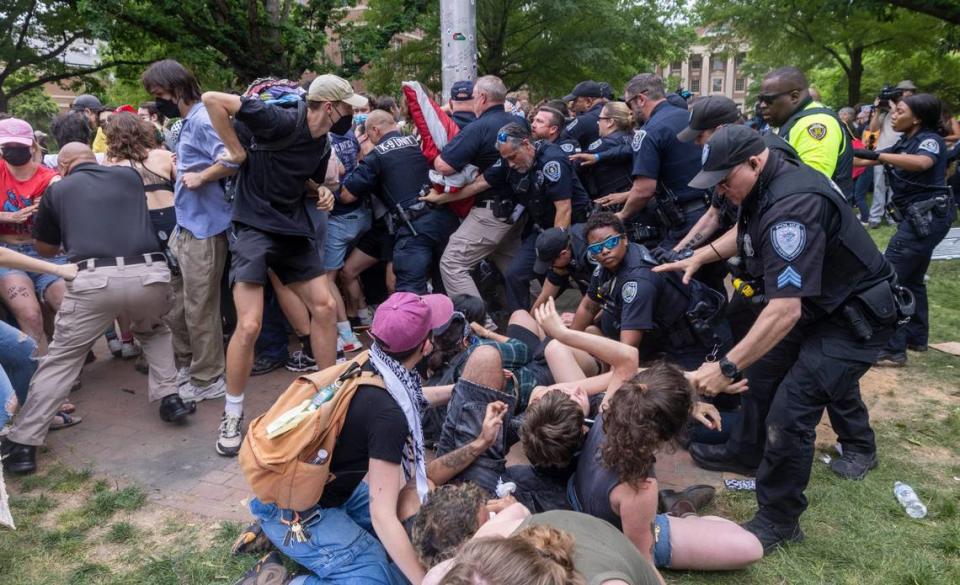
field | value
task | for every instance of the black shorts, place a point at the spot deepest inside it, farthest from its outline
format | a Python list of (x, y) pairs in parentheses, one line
[(538, 364), (292, 258), (377, 242)]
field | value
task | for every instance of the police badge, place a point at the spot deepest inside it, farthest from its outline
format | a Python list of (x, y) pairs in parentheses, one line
[(629, 291), (566, 147), (930, 145), (788, 238), (817, 130), (638, 137), (595, 144), (551, 171)]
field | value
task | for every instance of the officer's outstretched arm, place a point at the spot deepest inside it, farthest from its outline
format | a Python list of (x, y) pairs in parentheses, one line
[(586, 311), (637, 197), (705, 227)]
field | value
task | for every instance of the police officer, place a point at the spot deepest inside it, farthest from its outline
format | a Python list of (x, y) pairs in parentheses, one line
[(610, 156), (95, 215), (656, 313), (812, 129), (545, 188), (547, 124), (831, 305), (586, 100), (662, 165), (481, 234), (461, 103), (396, 171), (921, 203), (562, 258)]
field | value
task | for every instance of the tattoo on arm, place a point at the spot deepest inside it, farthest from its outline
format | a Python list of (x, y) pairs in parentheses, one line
[(696, 239), (446, 467)]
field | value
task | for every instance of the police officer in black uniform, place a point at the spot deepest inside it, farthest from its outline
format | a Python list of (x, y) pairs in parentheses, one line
[(586, 100), (461, 103), (655, 312), (921, 204), (396, 171), (832, 303), (545, 188), (662, 165), (547, 124), (609, 157), (562, 258)]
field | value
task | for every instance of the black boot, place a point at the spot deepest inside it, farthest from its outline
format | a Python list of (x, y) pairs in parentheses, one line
[(853, 465), (718, 458), (690, 501), (18, 459), (773, 536), (172, 409)]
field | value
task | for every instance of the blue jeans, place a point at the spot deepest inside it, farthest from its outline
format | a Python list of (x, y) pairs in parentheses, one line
[(342, 232), (860, 187), (16, 359), (342, 547), (41, 281)]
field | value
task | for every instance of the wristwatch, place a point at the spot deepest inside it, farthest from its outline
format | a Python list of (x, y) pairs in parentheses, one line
[(730, 369)]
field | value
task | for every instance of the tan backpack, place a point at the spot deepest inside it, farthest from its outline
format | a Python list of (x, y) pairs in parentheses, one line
[(293, 468)]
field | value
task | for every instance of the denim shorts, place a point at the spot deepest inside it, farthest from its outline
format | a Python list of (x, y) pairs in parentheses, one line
[(40, 280), (343, 231)]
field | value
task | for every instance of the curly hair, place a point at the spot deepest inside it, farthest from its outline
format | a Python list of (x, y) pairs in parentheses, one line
[(647, 411), (447, 520), (129, 137), (604, 219), (71, 126), (552, 430), (537, 555)]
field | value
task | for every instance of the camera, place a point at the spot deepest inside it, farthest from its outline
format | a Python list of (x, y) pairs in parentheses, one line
[(887, 95)]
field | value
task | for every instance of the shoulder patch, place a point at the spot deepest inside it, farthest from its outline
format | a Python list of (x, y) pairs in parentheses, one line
[(637, 142), (572, 124), (566, 147), (930, 145), (629, 291), (817, 131), (595, 144), (551, 171), (497, 164), (789, 238), (789, 277)]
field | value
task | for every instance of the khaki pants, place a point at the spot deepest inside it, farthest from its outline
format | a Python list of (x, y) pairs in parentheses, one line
[(479, 236), (195, 317), (140, 291)]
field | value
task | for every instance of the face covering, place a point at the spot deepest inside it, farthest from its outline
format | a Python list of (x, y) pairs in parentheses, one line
[(168, 108), (343, 125), (17, 155)]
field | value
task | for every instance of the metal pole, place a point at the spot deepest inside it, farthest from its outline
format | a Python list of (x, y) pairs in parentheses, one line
[(458, 42)]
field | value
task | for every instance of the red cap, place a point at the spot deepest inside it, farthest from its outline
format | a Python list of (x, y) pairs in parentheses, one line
[(125, 108), (404, 320)]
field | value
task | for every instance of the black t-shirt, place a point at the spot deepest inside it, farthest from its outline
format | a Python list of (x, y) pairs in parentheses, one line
[(395, 169), (97, 212), (462, 118), (375, 428), (271, 183)]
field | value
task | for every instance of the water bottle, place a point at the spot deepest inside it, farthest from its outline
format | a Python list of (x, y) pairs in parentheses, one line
[(909, 500)]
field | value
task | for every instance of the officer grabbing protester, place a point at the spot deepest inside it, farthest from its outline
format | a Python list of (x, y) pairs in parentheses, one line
[(396, 172), (832, 304), (654, 312), (563, 259)]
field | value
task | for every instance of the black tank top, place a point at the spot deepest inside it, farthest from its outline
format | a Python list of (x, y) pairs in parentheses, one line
[(593, 481)]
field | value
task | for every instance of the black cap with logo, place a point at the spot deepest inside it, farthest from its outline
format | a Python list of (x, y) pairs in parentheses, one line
[(707, 114), (728, 147), (549, 245), (588, 88)]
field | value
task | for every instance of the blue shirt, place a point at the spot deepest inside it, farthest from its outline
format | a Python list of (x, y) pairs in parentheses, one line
[(204, 211), (347, 150), (658, 155)]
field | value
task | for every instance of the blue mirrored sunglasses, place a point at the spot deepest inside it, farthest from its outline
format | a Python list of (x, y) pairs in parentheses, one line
[(610, 243)]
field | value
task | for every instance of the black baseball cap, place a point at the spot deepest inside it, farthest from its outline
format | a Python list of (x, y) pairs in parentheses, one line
[(728, 147), (707, 114), (462, 91), (549, 245), (587, 88), (87, 102)]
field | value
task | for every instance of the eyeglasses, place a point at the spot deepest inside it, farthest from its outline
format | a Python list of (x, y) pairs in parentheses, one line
[(769, 98), (609, 244), (635, 96), (725, 182)]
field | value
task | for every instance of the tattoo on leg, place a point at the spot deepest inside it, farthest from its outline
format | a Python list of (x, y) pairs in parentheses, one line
[(17, 291)]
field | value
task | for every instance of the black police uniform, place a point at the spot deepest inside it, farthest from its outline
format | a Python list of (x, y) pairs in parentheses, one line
[(658, 155), (580, 269), (612, 171), (550, 179), (476, 144), (396, 171), (800, 239), (585, 128), (638, 299), (462, 118), (920, 198)]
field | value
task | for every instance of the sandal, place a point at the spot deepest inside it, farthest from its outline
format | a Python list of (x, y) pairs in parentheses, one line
[(68, 421), (68, 408)]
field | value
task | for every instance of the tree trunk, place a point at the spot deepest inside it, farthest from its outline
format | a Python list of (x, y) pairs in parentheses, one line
[(4, 101), (854, 76)]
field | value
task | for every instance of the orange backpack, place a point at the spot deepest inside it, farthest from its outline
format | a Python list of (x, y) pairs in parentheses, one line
[(292, 469)]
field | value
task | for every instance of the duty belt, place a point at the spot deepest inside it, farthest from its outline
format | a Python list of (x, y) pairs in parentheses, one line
[(121, 261)]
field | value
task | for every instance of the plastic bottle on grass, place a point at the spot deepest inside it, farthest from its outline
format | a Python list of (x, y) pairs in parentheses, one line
[(909, 500)]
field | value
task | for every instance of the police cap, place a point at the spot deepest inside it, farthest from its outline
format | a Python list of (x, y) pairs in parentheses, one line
[(462, 91), (727, 148), (707, 114), (549, 245), (587, 88)]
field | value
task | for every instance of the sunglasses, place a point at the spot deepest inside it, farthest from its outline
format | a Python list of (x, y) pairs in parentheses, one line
[(769, 98), (609, 244)]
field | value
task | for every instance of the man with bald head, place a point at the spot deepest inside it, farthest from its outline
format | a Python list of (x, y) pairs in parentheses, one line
[(98, 216), (394, 169)]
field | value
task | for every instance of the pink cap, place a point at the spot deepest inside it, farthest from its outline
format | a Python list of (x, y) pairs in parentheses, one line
[(15, 131), (404, 320)]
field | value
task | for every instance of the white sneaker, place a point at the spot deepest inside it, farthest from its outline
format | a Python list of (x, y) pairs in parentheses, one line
[(115, 346), (183, 376), (191, 392), (129, 350), (228, 443), (351, 343)]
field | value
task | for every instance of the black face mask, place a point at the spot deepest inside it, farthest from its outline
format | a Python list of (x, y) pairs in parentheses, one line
[(17, 155), (343, 125), (168, 108)]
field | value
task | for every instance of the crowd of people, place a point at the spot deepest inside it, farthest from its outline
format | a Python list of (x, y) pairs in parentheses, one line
[(723, 294)]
